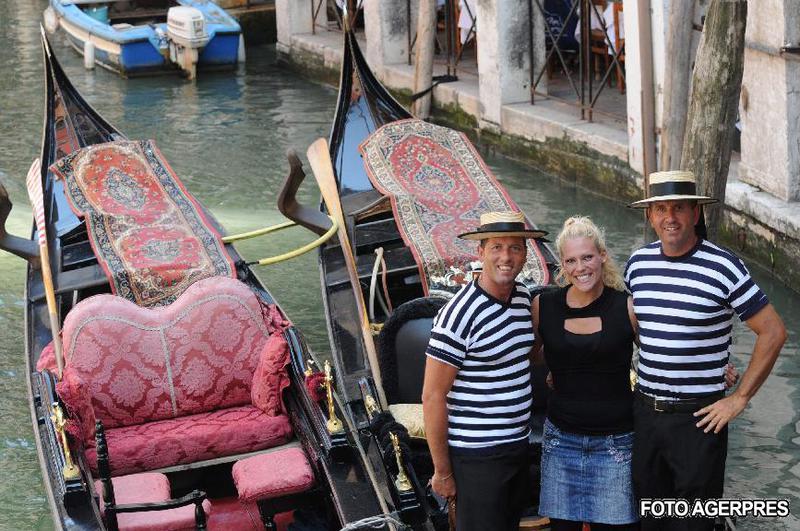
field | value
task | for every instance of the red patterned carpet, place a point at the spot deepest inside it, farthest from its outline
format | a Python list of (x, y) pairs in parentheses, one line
[(439, 186), (148, 233)]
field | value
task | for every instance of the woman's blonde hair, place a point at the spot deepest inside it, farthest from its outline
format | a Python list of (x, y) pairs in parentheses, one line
[(583, 227)]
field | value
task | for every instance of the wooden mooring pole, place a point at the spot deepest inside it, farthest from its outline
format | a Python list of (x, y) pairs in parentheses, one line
[(423, 60), (716, 84), (677, 75)]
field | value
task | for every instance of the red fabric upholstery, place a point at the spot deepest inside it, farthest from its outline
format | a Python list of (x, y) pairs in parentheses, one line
[(272, 475), (75, 396), (142, 364), (47, 359), (149, 488), (174, 385), (271, 378), (192, 438)]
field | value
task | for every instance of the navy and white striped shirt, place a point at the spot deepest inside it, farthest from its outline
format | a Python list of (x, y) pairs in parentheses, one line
[(685, 308), (489, 341)]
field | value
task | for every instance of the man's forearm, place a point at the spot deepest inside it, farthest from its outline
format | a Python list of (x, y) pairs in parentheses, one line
[(768, 346), (435, 413)]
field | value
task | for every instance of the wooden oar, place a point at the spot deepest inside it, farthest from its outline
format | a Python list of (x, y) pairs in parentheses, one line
[(320, 160), (34, 185)]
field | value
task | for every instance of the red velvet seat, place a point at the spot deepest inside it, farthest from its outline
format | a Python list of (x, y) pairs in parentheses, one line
[(192, 438), (199, 379), (149, 488), (276, 481), (272, 475)]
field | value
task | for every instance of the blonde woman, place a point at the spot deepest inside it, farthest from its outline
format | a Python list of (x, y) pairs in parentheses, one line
[(587, 329)]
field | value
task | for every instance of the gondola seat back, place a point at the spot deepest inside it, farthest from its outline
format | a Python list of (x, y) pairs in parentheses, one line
[(199, 379), (402, 344)]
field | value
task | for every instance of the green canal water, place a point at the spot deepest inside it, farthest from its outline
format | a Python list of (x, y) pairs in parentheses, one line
[(226, 137)]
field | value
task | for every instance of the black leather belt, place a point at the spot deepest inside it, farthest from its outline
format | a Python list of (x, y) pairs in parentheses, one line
[(677, 406)]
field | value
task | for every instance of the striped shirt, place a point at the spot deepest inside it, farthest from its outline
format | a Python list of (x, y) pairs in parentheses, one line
[(489, 342), (685, 308)]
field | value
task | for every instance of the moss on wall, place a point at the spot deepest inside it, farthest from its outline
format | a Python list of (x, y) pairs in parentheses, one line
[(775, 251), (309, 65)]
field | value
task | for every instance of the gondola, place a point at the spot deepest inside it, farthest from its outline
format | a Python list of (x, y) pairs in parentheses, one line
[(381, 384), (95, 479)]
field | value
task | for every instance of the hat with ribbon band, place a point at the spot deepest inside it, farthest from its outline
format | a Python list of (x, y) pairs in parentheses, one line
[(501, 225), (673, 185)]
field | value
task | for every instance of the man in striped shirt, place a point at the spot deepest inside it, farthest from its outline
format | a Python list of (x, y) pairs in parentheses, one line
[(686, 291), (477, 392)]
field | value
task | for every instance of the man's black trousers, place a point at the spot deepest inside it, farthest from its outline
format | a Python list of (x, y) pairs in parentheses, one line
[(492, 489), (673, 458)]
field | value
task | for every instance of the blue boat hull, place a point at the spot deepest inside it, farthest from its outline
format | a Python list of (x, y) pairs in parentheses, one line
[(140, 50)]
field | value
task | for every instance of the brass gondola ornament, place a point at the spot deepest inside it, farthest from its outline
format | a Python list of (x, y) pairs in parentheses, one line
[(371, 405), (309, 367), (334, 424), (70, 471), (402, 482)]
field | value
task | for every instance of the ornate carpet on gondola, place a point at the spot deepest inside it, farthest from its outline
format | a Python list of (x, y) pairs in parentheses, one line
[(148, 233), (439, 186)]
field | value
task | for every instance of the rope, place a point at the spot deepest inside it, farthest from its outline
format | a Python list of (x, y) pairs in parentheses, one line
[(260, 232), (373, 282), (375, 522), (300, 250), (444, 78)]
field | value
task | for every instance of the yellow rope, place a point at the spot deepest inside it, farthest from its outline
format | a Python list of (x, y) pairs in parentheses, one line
[(259, 232), (301, 250)]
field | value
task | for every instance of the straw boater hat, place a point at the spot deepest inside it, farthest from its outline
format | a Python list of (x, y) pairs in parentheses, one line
[(500, 225), (672, 186)]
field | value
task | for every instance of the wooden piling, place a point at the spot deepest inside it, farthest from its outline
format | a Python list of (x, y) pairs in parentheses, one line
[(423, 60), (677, 75), (716, 84)]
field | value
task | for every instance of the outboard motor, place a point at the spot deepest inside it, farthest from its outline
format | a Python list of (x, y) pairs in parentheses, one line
[(186, 29)]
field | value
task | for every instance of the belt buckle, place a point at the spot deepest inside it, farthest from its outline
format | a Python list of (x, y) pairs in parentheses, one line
[(655, 406)]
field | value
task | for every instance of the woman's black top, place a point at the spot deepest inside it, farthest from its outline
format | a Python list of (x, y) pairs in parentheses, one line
[(591, 372)]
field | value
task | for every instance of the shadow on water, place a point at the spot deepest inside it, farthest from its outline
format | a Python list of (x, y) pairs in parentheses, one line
[(226, 137)]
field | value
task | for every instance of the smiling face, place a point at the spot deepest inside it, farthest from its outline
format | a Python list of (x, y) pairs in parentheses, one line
[(502, 259), (674, 223), (582, 263)]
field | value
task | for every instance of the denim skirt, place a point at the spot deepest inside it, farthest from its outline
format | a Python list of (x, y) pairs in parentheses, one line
[(587, 478)]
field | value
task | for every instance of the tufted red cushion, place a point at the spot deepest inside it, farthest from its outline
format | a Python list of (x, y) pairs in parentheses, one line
[(149, 488), (272, 475), (150, 364), (271, 378), (192, 438)]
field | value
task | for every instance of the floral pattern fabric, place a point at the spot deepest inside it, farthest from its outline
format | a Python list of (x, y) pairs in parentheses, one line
[(182, 440), (185, 369)]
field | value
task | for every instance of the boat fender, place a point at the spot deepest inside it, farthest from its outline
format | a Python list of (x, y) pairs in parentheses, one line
[(88, 55), (241, 56), (50, 20)]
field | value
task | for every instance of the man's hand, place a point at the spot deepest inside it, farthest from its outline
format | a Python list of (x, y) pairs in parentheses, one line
[(444, 486), (717, 415), (731, 376)]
